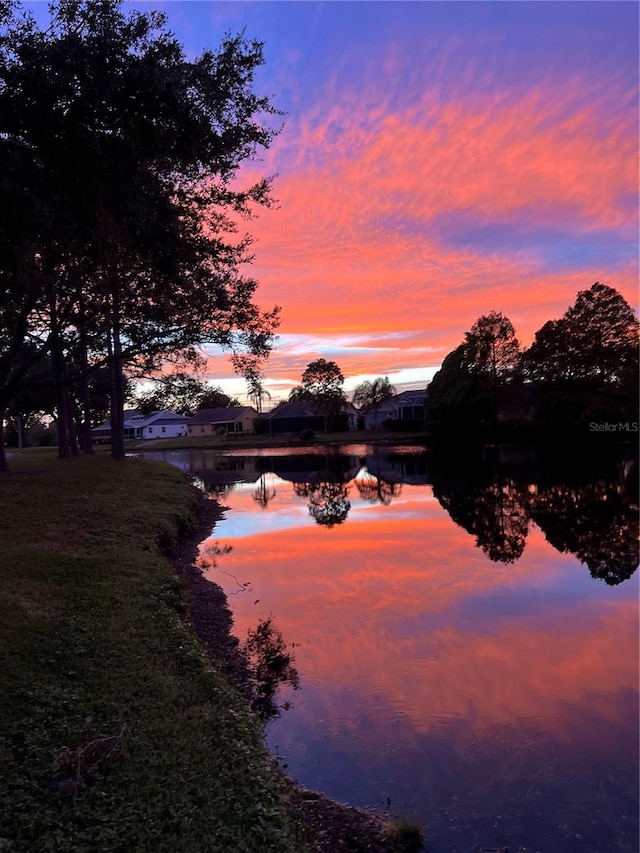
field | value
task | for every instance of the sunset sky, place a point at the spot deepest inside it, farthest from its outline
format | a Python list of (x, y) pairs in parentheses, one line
[(438, 160)]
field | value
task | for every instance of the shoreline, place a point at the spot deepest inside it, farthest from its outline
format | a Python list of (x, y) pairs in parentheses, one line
[(325, 825)]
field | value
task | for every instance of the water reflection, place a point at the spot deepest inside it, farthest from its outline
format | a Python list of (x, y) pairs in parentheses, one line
[(585, 505), (328, 501), (454, 654), (588, 508)]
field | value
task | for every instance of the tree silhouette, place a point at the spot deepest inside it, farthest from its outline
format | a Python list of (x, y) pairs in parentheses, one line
[(264, 492), (598, 522), (328, 501), (595, 341), (139, 149), (492, 510), (270, 665), (377, 490), (182, 393), (491, 349), (372, 394), (321, 385)]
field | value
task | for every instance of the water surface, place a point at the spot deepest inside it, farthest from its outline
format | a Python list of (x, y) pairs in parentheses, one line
[(465, 632)]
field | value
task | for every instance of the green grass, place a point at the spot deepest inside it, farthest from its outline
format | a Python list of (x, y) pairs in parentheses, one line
[(115, 733)]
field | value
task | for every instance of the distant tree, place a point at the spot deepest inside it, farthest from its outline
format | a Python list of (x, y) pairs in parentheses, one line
[(372, 394), (321, 385), (251, 367), (216, 398), (491, 348), (181, 393)]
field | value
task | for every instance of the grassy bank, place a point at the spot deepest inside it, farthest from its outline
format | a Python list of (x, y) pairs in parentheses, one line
[(115, 733)]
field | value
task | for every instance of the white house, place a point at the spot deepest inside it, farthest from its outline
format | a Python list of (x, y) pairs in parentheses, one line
[(164, 424)]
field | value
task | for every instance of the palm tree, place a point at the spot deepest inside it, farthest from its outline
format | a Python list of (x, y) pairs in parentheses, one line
[(373, 394)]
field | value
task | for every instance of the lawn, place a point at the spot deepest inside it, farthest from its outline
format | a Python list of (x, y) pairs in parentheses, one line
[(115, 732)]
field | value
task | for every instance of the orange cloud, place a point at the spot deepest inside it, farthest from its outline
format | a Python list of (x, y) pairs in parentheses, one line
[(381, 211)]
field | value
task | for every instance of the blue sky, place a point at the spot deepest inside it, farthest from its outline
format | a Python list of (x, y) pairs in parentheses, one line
[(438, 160)]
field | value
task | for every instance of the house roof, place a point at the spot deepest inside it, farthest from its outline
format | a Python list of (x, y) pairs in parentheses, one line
[(412, 398), (165, 416), (405, 398), (296, 409), (221, 416), (134, 419)]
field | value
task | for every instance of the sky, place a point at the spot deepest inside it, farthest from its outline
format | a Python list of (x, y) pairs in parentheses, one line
[(437, 161)]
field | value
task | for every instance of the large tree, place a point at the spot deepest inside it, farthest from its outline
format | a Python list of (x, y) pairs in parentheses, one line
[(141, 149), (595, 342), (371, 394), (491, 348), (322, 384)]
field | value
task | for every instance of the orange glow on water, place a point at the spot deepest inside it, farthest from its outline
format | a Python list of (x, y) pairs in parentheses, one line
[(398, 601)]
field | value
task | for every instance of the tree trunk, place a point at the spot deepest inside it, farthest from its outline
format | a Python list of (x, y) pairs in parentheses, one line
[(62, 424), (117, 380), (4, 466), (85, 429)]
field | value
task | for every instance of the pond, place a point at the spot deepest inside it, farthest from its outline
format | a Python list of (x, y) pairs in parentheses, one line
[(464, 627)]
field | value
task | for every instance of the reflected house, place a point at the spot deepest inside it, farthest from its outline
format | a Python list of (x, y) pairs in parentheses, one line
[(236, 420), (220, 473), (405, 407), (410, 468), (160, 424), (307, 468)]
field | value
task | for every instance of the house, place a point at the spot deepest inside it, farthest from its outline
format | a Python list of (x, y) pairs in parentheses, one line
[(292, 417), (163, 424), (236, 420), (300, 415), (407, 406)]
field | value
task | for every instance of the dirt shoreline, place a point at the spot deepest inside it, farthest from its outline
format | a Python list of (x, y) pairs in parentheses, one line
[(325, 826)]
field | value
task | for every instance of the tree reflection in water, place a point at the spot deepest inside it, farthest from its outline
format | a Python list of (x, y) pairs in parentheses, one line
[(264, 492), (598, 523), (595, 518), (328, 501), (270, 665), (495, 512), (376, 490)]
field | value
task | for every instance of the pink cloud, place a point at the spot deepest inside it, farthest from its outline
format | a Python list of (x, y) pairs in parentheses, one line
[(357, 244)]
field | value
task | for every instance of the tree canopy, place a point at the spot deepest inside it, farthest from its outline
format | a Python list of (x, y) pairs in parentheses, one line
[(595, 341), (184, 394), (124, 248), (371, 394), (491, 348), (322, 385), (580, 369)]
